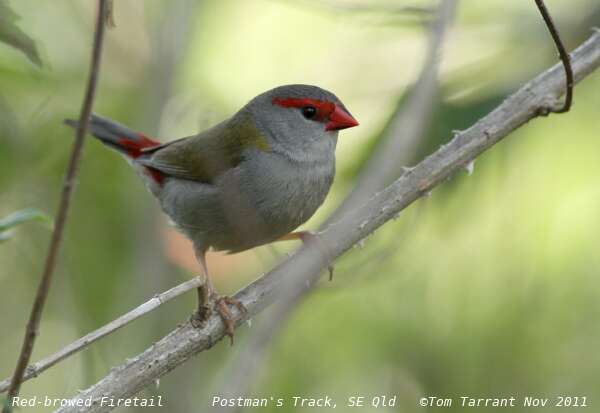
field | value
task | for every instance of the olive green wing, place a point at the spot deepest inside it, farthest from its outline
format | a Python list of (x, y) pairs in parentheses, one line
[(207, 155)]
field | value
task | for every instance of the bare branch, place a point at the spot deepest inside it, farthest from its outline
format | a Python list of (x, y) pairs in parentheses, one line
[(63, 211), (303, 269), (564, 57), (35, 369)]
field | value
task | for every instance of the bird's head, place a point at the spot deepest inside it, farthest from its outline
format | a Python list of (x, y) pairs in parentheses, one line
[(300, 119)]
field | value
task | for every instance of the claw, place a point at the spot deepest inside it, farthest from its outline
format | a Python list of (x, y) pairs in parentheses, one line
[(237, 303), (306, 236), (226, 316), (221, 304), (208, 301)]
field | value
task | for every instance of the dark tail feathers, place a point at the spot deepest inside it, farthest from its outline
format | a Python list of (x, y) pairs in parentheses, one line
[(117, 136)]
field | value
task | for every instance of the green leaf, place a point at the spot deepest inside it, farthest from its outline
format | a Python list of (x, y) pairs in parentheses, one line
[(19, 217), (12, 35)]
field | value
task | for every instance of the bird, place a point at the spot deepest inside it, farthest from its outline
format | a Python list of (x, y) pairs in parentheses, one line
[(247, 181)]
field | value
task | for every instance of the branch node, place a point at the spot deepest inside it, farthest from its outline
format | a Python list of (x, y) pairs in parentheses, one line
[(544, 111), (31, 371), (406, 169)]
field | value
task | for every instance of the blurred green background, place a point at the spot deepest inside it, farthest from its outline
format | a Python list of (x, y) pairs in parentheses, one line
[(487, 288)]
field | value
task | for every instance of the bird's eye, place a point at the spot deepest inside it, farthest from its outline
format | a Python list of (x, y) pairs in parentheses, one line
[(309, 112)]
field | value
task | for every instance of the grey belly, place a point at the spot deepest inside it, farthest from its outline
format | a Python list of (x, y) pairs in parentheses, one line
[(246, 207)]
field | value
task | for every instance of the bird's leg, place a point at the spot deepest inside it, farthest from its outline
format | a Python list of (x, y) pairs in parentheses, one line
[(205, 292), (222, 303), (209, 299), (304, 236), (204, 310)]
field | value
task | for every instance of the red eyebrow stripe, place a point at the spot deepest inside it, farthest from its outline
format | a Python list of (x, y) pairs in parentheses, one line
[(324, 108)]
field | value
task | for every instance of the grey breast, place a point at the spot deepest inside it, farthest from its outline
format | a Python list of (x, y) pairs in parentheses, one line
[(260, 200), (268, 196)]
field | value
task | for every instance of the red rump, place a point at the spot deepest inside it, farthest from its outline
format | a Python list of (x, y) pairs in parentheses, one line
[(135, 149), (154, 174), (324, 108)]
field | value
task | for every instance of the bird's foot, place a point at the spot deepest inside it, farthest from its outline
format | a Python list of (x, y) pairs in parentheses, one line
[(204, 311), (222, 304), (305, 237)]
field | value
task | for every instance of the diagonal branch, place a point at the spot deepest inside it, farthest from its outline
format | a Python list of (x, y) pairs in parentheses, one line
[(303, 269), (31, 331)]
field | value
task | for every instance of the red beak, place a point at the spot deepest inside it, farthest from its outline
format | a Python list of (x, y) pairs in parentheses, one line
[(340, 119)]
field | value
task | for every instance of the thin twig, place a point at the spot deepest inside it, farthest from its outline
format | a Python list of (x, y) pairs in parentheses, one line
[(33, 370), (304, 267), (62, 214), (564, 57)]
